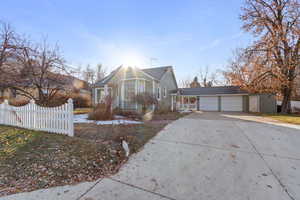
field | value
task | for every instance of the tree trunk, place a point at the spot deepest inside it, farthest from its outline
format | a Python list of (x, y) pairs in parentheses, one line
[(286, 102)]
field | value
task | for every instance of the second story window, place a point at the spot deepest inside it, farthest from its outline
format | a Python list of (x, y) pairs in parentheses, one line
[(165, 92)]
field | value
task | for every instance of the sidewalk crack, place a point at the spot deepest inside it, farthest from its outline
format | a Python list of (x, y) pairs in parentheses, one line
[(140, 188), (266, 163), (88, 190)]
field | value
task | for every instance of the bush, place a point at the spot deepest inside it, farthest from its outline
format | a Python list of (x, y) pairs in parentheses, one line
[(102, 111), (17, 103), (162, 109), (145, 100), (80, 101), (58, 100), (129, 114)]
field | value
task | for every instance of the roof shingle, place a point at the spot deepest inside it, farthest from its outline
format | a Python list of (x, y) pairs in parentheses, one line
[(212, 90)]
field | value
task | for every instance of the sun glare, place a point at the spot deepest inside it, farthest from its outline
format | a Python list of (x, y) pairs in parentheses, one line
[(132, 60)]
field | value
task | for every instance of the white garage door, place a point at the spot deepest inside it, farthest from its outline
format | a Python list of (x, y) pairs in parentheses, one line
[(232, 103), (209, 103)]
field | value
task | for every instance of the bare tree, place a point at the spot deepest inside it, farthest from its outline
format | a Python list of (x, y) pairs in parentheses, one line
[(101, 72), (185, 83), (207, 78), (38, 72), (247, 69), (195, 83), (275, 54), (89, 74), (8, 48)]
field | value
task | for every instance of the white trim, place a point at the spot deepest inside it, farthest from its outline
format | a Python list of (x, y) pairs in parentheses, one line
[(95, 100), (172, 103), (136, 92), (122, 94), (154, 93)]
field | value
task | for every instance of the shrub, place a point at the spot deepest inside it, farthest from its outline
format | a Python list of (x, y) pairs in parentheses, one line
[(17, 103), (102, 111), (58, 100), (145, 100), (162, 109), (80, 101), (129, 114)]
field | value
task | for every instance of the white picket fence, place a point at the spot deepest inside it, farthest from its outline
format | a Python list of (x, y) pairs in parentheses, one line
[(34, 117)]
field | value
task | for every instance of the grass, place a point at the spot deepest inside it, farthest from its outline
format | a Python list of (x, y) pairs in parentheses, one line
[(79, 111), (286, 118), (31, 160)]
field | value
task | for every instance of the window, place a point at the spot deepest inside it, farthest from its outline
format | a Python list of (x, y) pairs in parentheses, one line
[(99, 94), (141, 86), (165, 92), (158, 93)]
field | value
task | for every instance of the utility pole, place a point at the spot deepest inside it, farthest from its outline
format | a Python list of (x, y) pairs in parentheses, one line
[(152, 61)]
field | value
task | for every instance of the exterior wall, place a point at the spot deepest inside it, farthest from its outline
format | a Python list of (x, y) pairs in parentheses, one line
[(254, 103), (245, 103), (169, 83), (267, 103), (123, 76)]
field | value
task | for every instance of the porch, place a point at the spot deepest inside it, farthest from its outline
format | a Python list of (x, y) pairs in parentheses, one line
[(184, 103)]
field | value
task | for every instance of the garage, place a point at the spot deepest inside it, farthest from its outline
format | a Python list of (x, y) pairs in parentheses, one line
[(232, 103), (209, 103)]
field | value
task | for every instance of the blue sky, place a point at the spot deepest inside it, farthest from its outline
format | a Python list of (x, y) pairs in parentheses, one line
[(187, 34)]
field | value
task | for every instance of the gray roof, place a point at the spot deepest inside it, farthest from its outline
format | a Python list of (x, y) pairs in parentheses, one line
[(106, 79), (157, 72), (212, 90)]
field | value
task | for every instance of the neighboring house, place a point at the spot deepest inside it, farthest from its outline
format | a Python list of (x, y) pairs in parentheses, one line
[(124, 83), (69, 85), (223, 98)]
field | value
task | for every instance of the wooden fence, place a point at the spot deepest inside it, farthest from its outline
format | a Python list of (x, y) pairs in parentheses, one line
[(34, 117)]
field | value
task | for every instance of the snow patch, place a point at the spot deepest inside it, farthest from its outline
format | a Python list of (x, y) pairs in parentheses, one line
[(82, 118)]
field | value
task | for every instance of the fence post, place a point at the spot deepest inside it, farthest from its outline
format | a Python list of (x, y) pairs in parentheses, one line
[(6, 114), (70, 118), (33, 110)]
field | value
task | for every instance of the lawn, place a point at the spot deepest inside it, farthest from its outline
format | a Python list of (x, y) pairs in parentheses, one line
[(31, 160), (78, 111), (286, 118)]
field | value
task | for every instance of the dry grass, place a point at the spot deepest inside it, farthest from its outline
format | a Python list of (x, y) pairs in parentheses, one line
[(288, 118), (79, 111)]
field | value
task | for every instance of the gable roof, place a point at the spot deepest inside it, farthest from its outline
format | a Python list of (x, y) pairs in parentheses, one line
[(212, 90), (106, 79), (157, 72)]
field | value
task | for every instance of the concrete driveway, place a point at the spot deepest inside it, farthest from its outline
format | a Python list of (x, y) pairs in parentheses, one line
[(203, 156)]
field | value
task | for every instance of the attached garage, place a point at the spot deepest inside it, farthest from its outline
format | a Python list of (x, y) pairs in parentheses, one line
[(209, 103), (223, 98), (232, 103)]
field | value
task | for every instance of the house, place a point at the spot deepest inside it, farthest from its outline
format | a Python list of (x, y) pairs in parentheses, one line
[(124, 83)]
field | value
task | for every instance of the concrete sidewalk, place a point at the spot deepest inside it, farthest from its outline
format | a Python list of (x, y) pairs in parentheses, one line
[(202, 156)]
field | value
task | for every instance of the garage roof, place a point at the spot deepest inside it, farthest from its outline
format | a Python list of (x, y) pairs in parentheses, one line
[(211, 90)]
